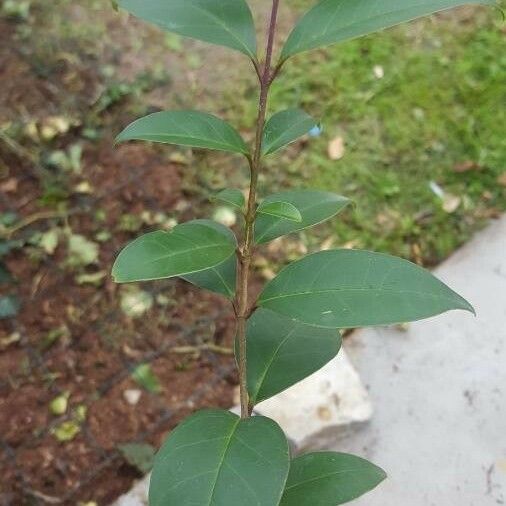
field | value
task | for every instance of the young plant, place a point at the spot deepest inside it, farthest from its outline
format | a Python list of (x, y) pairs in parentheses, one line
[(215, 457)]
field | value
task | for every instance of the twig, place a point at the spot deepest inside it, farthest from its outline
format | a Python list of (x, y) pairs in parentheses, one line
[(202, 347), (7, 232), (245, 250)]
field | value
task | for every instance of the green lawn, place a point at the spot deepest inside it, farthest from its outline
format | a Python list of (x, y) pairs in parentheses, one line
[(439, 107)]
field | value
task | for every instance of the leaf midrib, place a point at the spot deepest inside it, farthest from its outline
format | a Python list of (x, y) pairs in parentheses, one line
[(276, 141), (271, 361), (315, 41), (220, 23), (222, 459), (322, 477), (337, 290), (302, 223)]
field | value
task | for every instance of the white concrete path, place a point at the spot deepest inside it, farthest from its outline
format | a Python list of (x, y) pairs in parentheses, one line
[(439, 391)]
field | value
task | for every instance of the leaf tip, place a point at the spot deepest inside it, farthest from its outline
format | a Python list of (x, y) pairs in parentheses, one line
[(467, 306)]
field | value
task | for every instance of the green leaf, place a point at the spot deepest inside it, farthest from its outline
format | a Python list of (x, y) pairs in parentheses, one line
[(328, 479), (285, 127), (349, 288), (332, 21), (278, 209), (282, 352), (9, 306), (66, 431), (139, 455), (314, 207), (214, 458), (190, 247), (58, 406), (232, 197), (225, 23), (220, 279), (143, 374), (186, 128)]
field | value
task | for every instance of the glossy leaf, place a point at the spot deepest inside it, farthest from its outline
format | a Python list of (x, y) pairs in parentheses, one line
[(278, 209), (232, 197), (225, 23), (190, 247), (186, 128), (329, 479), (314, 207), (219, 279), (214, 458), (332, 21), (285, 127), (350, 288), (282, 352)]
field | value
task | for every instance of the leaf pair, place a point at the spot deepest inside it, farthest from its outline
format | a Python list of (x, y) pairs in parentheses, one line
[(202, 130), (293, 332), (214, 457), (203, 252), (277, 208), (229, 23)]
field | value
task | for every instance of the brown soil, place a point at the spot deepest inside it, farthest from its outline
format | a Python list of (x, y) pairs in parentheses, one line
[(93, 359)]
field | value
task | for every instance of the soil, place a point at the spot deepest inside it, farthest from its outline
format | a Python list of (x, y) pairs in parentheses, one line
[(92, 358)]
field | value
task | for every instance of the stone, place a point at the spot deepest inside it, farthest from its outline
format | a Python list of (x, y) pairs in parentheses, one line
[(314, 412)]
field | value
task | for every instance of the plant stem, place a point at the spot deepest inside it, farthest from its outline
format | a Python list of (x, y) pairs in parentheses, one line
[(245, 250)]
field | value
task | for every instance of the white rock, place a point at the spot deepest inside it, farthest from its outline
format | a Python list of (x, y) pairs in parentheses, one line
[(315, 411), (138, 496), (132, 396)]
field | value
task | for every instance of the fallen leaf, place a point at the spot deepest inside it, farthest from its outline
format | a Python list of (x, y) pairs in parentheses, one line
[(84, 187), (13, 338), (9, 306), (143, 374), (466, 166), (327, 243), (94, 279), (135, 302), (451, 203), (66, 431), (336, 148), (140, 456), (502, 179), (49, 241), (226, 216), (378, 71), (82, 251), (59, 405), (9, 186)]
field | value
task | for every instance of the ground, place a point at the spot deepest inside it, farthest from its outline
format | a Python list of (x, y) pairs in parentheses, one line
[(415, 114)]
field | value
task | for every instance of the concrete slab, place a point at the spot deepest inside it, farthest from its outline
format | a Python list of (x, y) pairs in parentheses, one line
[(439, 391)]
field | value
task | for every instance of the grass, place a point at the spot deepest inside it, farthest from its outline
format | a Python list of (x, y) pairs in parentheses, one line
[(439, 107)]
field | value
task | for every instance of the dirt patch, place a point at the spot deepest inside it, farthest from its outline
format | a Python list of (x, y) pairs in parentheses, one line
[(71, 336)]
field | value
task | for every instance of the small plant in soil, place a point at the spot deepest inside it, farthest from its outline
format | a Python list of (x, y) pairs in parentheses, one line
[(293, 327)]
